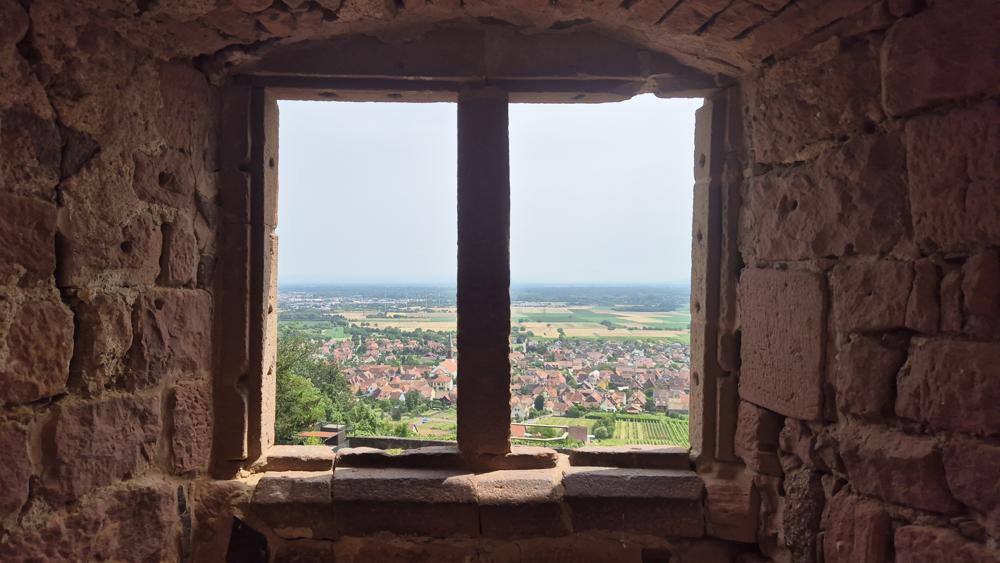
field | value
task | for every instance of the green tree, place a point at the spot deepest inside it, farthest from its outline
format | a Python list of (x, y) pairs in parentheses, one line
[(539, 403), (650, 405), (299, 406)]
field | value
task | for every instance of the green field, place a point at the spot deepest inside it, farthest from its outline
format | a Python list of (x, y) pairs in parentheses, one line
[(318, 329), (643, 429)]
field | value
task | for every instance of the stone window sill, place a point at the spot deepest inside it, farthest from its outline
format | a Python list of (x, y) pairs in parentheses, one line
[(447, 502)]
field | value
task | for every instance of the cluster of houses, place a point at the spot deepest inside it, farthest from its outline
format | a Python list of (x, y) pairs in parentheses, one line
[(607, 375)]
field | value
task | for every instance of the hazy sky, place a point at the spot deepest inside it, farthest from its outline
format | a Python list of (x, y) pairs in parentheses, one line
[(600, 193)]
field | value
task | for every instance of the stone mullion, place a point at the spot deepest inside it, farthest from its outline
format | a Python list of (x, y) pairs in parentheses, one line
[(483, 272)]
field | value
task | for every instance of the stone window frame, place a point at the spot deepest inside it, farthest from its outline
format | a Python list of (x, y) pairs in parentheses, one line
[(246, 318)]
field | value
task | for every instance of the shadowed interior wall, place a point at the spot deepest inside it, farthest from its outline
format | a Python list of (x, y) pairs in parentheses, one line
[(859, 290)]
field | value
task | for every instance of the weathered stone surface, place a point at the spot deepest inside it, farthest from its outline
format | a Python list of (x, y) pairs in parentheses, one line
[(190, 411), (172, 330), (17, 469), (29, 153), (132, 523), (165, 177), (28, 232), (857, 531), (403, 485), (431, 457), (951, 385), (951, 302), (96, 443), (981, 295), (940, 54), (953, 173), (756, 440), (799, 106), (103, 338), (896, 467), (294, 487), (39, 343), (180, 258), (519, 457), (606, 482), (661, 517), (299, 458), (645, 457), (851, 200), (923, 308), (439, 520), (802, 513), (928, 544), (731, 505), (971, 469), (783, 316), (517, 487), (865, 378), (871, 296)]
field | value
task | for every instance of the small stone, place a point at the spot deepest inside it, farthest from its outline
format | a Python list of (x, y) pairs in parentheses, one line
[(871, 296), (17, 469), (856, 531), (865, 377), (923, 309), (28, 232), (981, 295), (39, 344), (928, 544), (294, 487), (190, 408), (103, 338)]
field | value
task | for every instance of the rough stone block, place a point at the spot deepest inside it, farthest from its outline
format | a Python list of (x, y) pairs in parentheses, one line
[(940, 54), (172, 330), (99, 442), (923, 308), (799, 105), (856, 531), (299, 458), (39, 343), (660, 517), (756, 440), (103, 338), (180, 256), (951, 302), (851, 200), (166, 177), (871, 296), (431, 457), (190, 411), (294, 487), (29, 150), (534, 520), (928, 544), (17, 469), (802, 512), (981, 295), (952, 385), (131, 523), (606, 482), (865, 378), (438, 520), (403, 485), (896, 467), (642, 457), (732, 505), (783, 318), (28, 232), (953, 173), (971, 469)]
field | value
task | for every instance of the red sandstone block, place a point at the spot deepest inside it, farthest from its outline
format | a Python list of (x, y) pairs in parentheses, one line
[(870, 296), (865, 376), (179, 263), (973, 470), (172, 330), (28, 232), (100, 442), (756, 440), (951, 302), (923, 309), (857, 531), (897, 467), (294, 487), (799, 104), (952, 385), (30, 145), (783, 317), (130, 523), (850, 200), (165, 177), (39, 343), (103, 339), (928, 544), (647, 457), (17, 468), (941, 54), (660, 517), (545, 519), (299, 458), (953, 173), (981, 295), (439, 520), (190, 412)]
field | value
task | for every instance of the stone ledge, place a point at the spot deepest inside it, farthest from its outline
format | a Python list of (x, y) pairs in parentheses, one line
[(403, 485), (640, 457), (448, 457), (298, 458), (606, 482)]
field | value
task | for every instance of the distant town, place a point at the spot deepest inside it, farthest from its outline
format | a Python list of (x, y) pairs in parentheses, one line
[(607, 365)]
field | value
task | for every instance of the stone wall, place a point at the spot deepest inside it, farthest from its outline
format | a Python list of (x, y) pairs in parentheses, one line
[(863, 201), (870, 291), (107, 235)]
